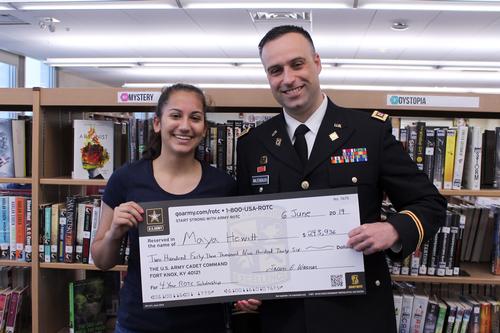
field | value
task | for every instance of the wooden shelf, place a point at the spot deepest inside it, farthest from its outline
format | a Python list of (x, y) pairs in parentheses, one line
[(19, 180), (11, 97), (474, 193), (477, 274), (60, 265), (70, 181), (15, 263)]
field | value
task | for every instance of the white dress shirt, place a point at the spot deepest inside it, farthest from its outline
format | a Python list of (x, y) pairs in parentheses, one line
[(313, 123)]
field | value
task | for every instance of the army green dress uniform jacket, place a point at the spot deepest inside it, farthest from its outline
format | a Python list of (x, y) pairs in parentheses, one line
[(267, 151)]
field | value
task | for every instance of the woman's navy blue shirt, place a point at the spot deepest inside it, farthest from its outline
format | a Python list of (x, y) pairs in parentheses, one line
[(135, 182)]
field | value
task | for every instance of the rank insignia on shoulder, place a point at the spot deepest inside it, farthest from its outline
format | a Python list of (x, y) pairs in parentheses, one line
[(380, 115), (244, 132)]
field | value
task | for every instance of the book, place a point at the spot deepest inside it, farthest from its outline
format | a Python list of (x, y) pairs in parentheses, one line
[(472, 166), (496, 180), (4, 228), (420, 145), (86, 306), (429, 152), (398, 304), (495, 253), (480, 234), (20, 227), (61, 235), (443, 308), (96, 214), (87, 229), (419, 311), (54, 231), (12, 228), (439, 157), (6, 151), (92, 149), (449, 160), (14, 307), (488, 160), (431, 316), (5, 296), (19, 147), (475, 319), (28, 242), (458, 166)]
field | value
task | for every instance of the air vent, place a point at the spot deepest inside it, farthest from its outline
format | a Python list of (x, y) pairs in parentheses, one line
[(281, 16), (7, 19)]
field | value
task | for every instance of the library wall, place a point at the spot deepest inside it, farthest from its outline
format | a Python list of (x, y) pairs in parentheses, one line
[(68, 80)]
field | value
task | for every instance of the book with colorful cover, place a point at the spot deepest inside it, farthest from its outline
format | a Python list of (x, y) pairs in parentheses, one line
[(86, 306), (92, 149), (449, 160), (6, 151)]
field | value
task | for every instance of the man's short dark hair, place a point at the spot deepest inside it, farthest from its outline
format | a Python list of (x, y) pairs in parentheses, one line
[(281, 30)]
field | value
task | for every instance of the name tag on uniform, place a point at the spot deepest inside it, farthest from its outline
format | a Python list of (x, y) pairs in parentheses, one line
[(260, 180)]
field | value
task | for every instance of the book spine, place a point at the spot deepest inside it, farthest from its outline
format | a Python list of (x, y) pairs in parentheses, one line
[(87, 229), (11, 316), (41, 234), (449, 160), (429, 152), (12, 226), (4, 228), (69, 248), (96, 210), (47, 232), (439, 157), (54, 228), (61, 235), (80, 223), (420, 146), (20, 227), (461, 146), (433, 258), (71, 292), (443, 245), (28, 245)]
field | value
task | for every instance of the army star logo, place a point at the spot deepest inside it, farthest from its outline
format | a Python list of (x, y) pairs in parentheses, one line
[(154, 220), (154, 216)]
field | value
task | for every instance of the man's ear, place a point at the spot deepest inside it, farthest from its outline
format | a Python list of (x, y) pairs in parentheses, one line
[(317, 62)]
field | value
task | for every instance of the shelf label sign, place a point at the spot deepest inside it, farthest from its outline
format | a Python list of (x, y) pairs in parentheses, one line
[(434, 101), (134, 97)]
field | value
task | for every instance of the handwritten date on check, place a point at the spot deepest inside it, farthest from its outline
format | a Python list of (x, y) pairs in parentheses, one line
[(267, 246)]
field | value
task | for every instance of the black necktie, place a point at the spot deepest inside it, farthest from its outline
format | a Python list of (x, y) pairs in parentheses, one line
[(300, 144)]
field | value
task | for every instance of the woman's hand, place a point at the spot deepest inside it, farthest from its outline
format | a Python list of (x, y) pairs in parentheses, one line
[(125, 216), (250, 305)]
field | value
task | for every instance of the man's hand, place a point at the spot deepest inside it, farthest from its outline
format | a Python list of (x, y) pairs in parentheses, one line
[(372, 237)]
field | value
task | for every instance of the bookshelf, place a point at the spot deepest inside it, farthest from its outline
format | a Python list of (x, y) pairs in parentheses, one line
[(51, 177)]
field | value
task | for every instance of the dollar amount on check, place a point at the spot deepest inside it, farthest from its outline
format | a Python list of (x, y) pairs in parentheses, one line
[(225, 249)]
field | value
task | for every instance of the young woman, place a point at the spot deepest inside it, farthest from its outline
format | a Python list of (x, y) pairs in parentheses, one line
[(167, 171)]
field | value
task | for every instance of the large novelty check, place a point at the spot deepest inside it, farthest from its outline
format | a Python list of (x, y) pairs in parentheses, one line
[(267, 247)]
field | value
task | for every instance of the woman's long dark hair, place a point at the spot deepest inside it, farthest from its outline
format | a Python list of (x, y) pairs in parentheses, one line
[(154, 147)]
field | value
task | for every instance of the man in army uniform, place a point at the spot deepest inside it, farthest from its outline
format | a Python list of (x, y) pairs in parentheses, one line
[(308, 146)]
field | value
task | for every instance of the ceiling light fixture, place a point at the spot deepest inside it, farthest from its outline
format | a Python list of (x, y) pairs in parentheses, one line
[(453, 5), (226, 4), (92, 4), (279, 16)]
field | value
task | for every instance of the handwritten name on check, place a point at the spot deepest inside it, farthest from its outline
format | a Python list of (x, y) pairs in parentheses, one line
[(224, 249)]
